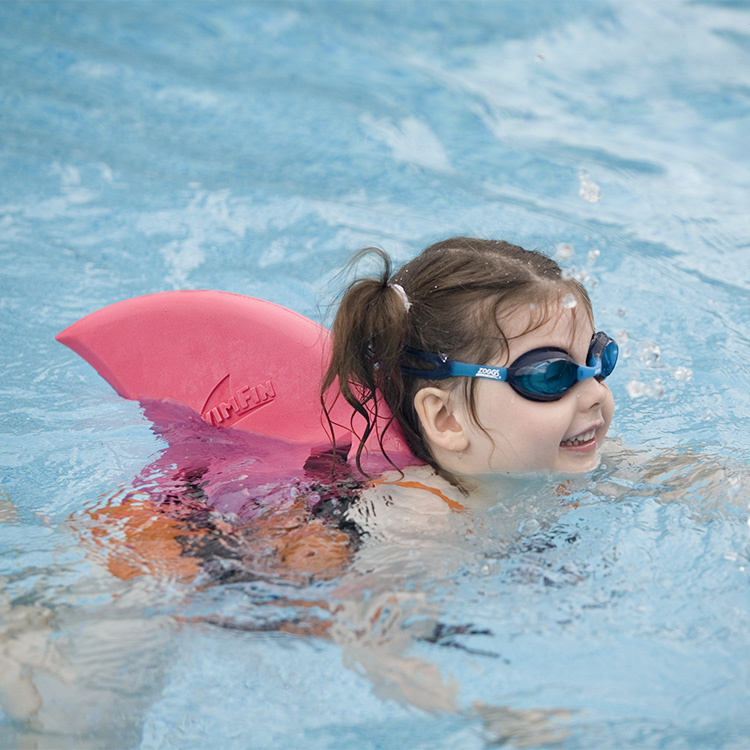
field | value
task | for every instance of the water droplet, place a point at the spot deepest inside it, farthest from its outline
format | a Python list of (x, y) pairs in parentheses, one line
[(566, 274), (540, 56), (582, 276), (565, 251), (593, 255), (621, 337), (621, 312), (569, 301), (588, 189), (636, 389), (657, 388), (649, 353), (683, 373)]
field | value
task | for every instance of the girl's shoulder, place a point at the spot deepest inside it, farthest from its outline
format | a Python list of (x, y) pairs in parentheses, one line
[(414, 498), (418, 487)]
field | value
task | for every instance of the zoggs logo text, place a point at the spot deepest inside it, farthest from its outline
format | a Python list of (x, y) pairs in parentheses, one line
[(488, 372)]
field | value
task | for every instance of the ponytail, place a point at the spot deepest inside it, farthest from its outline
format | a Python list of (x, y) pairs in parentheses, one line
[(370, 332)]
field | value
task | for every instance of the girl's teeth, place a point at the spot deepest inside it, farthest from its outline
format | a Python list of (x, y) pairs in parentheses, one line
[(584, 438)]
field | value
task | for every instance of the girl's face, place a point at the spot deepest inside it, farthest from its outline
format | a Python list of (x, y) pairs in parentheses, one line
[(523, 435)]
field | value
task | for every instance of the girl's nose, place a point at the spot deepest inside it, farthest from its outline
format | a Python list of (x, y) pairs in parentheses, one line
[(592, 393)]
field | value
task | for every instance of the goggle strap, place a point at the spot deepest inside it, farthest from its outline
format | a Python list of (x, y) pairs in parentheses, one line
[(440, 371), (479, 371), (448, 368)]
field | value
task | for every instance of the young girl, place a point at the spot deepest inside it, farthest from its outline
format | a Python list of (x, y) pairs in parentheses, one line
[(487, 358)]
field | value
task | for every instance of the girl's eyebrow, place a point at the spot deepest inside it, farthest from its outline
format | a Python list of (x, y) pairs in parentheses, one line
[(567, 348)]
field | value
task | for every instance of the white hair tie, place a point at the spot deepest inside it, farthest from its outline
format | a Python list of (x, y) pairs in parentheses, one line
[(402, 295)]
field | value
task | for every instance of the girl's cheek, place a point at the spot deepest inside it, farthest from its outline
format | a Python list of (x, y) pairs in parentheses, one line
[(548, 426), (608, 410)]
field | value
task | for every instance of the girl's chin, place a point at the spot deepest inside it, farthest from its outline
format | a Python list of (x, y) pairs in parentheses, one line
[(579, 459), (579, 463)]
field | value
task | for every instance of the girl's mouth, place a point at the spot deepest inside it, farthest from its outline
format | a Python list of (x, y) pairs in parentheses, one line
[(584, 442)]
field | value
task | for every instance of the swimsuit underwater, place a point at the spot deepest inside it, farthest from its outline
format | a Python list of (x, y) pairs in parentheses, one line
[(297, 530)]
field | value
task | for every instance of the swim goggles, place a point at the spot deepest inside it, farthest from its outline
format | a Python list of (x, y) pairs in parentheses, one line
[(545, 374)]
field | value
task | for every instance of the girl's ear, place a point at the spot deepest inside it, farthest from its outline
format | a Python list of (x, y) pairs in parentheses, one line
[(441, 422)]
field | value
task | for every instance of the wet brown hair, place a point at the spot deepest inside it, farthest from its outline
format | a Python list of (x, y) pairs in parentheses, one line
[(457, 290)]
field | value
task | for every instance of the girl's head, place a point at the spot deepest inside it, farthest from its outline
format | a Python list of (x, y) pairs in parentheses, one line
[(474, 301)]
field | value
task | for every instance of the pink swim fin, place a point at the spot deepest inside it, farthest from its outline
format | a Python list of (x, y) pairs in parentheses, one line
[(237, 361)]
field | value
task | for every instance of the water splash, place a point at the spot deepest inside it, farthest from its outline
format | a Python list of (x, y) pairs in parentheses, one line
[(683, 374), (588, 189), (649, 353), (569, 301), (636, 389), (657, 389), (639, 389)]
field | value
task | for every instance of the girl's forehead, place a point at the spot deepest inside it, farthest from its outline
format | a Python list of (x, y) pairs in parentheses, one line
[(552, 324)]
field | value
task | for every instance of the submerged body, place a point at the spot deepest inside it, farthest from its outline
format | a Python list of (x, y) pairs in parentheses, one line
[(305, 573)]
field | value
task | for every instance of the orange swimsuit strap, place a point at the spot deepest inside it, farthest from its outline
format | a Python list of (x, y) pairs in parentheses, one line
[(452, 504)]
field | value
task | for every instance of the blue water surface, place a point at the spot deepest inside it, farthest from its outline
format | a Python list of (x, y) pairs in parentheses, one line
[(252, 147)]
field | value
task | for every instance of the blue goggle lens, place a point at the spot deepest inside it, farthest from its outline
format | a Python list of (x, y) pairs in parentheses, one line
[(609, 358), (544, 380), (548, 374)]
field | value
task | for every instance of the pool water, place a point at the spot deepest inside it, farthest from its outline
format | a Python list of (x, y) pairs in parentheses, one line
[(253, 147)]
